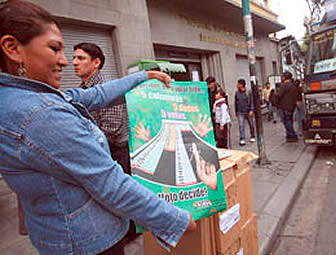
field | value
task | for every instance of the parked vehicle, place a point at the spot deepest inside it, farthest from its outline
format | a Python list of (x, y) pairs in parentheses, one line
[(320, 82)]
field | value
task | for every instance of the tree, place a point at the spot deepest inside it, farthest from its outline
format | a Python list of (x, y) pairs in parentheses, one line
[(315, 8)]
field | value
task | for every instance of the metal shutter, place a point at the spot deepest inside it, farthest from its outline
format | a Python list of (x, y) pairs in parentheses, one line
[(74, 34), (242, 67)]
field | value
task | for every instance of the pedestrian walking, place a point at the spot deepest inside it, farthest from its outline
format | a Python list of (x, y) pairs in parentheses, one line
[(222, 119), (286, 98), (266, 99), (244, 110), (76, 198), (272, 99)]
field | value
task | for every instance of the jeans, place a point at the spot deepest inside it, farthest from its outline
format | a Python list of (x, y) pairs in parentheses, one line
[(275, 113), (241, 118), (287, 120), (272, 111), (269, 108)]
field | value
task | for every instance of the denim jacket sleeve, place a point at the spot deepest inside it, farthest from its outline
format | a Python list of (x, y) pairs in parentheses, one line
[(101, 95), (69, 151)]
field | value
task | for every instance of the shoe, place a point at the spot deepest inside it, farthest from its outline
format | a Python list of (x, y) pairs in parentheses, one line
[(252, 140), (242, 142), (274, 121)]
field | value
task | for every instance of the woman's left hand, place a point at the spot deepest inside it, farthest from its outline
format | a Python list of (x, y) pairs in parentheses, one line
[(160, 76)]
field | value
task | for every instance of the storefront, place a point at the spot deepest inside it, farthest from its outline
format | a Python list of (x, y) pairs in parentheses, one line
[(207, 37), (210, 44)]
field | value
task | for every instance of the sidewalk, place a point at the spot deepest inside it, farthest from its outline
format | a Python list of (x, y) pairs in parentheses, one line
[(274, 188), (275, 185)]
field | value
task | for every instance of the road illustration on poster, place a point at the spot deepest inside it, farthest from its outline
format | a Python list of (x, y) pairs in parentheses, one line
[(170, 157)]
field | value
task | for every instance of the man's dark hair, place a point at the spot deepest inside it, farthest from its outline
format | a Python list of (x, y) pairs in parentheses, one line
[(242, 82), (287, 75), (210, 79), (93, 50)]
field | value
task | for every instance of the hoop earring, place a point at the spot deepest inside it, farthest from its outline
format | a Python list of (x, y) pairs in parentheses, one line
[(21, 70)]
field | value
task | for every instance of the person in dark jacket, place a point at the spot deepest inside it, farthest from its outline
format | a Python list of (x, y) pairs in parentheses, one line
[(244, 109), (212, 89), (286, 99)]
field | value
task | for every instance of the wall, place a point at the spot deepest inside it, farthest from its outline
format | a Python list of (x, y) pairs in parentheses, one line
[(178, 26), (132, 37)]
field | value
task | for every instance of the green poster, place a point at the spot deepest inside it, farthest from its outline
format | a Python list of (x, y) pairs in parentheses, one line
[(172, 145)]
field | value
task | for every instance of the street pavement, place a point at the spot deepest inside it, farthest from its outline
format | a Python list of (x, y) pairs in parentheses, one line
[(274, 189), (275, 185)]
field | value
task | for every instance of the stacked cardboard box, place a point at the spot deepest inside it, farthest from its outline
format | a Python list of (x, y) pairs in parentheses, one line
[(233, 231), (236, 228)]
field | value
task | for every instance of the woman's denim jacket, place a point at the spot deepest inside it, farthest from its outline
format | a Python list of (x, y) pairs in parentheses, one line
[(76, 198)]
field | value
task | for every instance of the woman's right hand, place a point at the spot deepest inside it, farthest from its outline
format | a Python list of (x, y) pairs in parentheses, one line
[(160, 76)]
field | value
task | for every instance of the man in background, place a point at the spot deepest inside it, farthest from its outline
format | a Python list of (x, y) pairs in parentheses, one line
[(212, 89), (286, 98), (88, 61), (244, 109)]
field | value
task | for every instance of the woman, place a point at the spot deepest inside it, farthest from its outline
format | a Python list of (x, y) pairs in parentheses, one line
[(75, 197)]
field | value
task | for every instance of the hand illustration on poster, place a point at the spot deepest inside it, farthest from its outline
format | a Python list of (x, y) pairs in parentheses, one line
[(172, 145)]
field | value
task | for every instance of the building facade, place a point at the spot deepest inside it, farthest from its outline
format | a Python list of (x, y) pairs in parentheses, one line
[(207, 36), (291, 57)]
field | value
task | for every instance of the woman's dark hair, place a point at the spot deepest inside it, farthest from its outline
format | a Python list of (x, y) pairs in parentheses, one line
[(93, 50), (24, 21), (221, 92)]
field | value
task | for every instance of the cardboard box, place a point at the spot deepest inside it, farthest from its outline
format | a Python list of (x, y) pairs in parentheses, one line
[(208, 239), (250, 237), (240, 159), (227, 168), (238, 194), (246, 242), (199, 242)]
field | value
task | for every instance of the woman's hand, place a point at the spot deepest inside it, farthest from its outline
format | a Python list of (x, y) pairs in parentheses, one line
[(160, 76)]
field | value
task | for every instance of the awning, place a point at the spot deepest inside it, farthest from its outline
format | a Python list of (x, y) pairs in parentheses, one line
[(164, 66), (170, 67)]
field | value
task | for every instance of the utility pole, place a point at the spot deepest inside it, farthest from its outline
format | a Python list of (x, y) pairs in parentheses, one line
[(262, 159)]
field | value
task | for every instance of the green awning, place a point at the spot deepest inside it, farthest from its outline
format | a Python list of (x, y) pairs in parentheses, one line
[(170, 67), (164, 66)]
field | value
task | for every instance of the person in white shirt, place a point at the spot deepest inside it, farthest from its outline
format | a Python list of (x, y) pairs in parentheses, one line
[(222, 120)]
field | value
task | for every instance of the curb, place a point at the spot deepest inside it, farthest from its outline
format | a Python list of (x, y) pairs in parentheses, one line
[(276, 211)]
